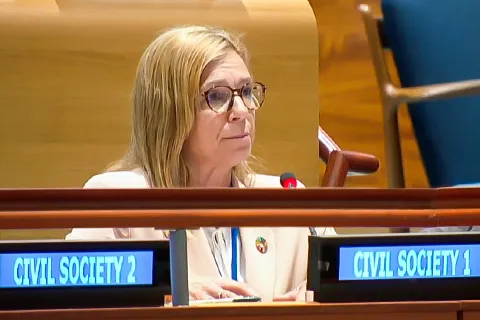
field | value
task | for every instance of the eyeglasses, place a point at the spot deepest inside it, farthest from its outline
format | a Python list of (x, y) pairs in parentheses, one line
[(220, 99)]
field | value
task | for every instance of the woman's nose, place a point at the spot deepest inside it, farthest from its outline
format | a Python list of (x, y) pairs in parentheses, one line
[(239, 110)]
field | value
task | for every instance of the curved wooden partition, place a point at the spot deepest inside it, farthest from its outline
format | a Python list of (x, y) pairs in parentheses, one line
[(68, 68)]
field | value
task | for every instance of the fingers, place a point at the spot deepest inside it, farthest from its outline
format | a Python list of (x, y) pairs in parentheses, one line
[(228, 294), (238, 288), (217, 292), (198, 294), (209, 290), (218, 289)]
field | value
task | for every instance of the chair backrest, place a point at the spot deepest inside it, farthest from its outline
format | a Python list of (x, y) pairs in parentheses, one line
[(436, 42)]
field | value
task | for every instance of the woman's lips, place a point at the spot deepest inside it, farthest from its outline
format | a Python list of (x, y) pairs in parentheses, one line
[(239, 136)]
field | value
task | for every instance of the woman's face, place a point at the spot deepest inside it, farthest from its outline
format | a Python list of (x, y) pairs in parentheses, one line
[(221, 138)]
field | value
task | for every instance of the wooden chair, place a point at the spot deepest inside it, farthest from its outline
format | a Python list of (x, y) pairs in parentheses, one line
[(340, 163), (438, 67), (436, 62)]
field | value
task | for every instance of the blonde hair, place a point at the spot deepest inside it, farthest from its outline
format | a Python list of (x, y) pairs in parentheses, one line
[(167, 83)]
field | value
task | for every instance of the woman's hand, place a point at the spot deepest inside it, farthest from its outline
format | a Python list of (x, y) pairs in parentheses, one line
[(218, 289), (297, 294)]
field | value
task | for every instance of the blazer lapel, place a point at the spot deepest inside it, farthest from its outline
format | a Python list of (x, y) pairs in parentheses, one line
[(258, 246), (201, 262)]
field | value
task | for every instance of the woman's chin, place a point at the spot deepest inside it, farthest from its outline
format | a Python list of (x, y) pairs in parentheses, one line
[(238, 157)]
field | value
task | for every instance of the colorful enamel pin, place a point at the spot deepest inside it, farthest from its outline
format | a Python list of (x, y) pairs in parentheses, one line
[(261, 244)]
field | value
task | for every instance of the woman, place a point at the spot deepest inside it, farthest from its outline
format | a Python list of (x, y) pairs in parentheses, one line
[(194, 105)]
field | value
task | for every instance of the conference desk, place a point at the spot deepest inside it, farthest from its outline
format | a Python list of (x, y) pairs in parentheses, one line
[(167, 209), (470, 310), (450, 310)]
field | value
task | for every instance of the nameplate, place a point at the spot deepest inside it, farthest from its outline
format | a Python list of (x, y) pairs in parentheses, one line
[(414, 262), (394, 267), (83, 274), (52, 269)]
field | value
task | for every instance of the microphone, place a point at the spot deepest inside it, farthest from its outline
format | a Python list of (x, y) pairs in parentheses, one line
[(289, 181)]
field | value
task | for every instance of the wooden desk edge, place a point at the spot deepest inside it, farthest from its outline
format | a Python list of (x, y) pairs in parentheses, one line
[(473, 305), (241, 309)]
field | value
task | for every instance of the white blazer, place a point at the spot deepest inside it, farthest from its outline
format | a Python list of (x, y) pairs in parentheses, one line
[(282, 268)]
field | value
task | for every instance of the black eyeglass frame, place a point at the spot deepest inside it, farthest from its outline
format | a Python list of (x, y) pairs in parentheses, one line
[(235, 92)]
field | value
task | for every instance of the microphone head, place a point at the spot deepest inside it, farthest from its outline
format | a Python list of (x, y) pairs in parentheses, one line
[(288, 180)]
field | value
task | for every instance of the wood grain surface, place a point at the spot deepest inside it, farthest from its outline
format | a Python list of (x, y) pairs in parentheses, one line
[(168, 219), (350, 109), (167, 208), (264, 311), (67, 77)]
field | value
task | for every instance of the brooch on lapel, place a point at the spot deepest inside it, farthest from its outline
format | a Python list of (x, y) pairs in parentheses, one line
[(261, 244)]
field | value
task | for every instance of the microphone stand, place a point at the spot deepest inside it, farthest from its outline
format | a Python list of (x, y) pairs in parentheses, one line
[(179, 267), (285, 181)]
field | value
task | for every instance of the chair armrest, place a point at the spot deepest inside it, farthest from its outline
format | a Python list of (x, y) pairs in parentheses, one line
[(433, 92), (358, 162)]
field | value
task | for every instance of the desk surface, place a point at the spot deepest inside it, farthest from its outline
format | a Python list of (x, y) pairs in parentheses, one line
[(279, 311)]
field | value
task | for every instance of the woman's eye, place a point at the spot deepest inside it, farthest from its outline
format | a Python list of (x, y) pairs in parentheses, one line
[(247, 92), (216, 96)]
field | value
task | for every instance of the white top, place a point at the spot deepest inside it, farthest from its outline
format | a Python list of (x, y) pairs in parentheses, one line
[(280, 269), (220, 241)]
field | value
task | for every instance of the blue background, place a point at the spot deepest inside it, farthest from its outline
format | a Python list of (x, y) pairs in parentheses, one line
[(143, 271), (347, 254)]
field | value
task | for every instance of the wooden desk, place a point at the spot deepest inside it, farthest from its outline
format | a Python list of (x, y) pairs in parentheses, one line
[(263, 311), (470, 310), (167, 209)]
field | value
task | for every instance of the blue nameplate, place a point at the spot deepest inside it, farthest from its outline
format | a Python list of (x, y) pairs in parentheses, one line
[(89, 274), (409, 262), (53, 269), (394, 267)]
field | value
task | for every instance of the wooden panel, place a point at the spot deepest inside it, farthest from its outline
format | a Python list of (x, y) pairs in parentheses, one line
[(167, 208), (67, 76), (219, 315), (470, 310), (471, 315), (350, 109), (279, 311), (59, 208)]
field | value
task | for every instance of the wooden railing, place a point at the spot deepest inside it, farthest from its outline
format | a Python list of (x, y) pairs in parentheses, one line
[(193, 208)]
